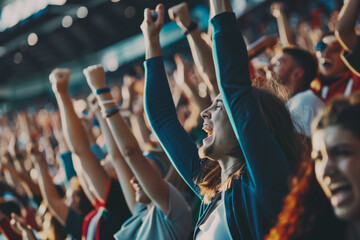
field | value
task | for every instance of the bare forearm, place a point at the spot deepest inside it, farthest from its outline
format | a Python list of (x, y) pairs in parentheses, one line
[(202, 56), (50, 193), (285, 34), (140, 130), (345, 25), (152, 184), (121, 167), (29, 187), (260, 45), (78, 143), (153, 48), (74, 132)]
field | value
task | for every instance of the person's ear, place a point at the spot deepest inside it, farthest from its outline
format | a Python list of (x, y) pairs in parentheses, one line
[(298, 73)]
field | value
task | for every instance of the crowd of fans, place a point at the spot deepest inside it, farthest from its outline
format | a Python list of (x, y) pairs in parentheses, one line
[(224, 147)]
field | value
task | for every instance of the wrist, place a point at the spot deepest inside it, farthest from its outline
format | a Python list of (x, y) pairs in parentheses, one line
[(190, 28), (60, 94), (221, 6), (151, 40)]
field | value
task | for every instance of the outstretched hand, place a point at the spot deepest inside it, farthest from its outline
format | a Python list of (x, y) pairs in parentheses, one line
[(276, 9), (150, 28), (59, 79)]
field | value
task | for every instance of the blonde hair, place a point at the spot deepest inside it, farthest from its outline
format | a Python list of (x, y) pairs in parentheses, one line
[(209, 181)]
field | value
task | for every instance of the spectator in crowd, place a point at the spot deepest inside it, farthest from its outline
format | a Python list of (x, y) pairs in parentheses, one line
[(296, 68), (105, 193), (323, 203), (334, 79), (159, 209), (235, 174), (231, 124)]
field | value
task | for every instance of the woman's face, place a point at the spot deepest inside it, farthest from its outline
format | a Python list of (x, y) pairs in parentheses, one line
[(221, 140), (336, 152), (330, 63)]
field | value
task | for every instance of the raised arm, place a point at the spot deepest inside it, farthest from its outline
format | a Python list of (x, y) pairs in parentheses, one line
[(285, 33), (200, 50), (75, 134), (122, 169), (345, 25), (263, 154), (260, 45), (30, 188), (183, 79), (160, 109), (154, 186), (57, 206)]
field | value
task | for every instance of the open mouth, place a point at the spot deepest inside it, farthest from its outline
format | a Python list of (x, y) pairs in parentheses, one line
[(341, 193), (209, 130), (326, 63)]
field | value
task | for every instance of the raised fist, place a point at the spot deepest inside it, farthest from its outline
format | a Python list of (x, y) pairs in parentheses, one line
[(151, 26), (95, 77), (276, 9), (59, 79), (181, 15)]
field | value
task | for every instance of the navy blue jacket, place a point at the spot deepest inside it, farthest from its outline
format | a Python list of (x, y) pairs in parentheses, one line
[(254, 200)]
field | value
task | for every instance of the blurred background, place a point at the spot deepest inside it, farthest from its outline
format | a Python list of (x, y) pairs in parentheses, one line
[(38, 35)]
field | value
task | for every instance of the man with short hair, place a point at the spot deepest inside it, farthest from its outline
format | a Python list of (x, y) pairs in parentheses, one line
[(295, 68)]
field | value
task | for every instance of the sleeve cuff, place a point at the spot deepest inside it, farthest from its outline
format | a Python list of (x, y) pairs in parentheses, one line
[(224, 23), (66, 156), (97, 151), (154, 62)]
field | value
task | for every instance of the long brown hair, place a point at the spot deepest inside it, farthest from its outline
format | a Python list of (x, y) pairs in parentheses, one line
[(271, 98), (307, 213)]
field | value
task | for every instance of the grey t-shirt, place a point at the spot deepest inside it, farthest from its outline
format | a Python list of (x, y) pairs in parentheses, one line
[(154, 224)]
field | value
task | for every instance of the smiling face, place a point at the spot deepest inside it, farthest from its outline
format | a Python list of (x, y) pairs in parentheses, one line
[(221, 141), (329, 57), (336, 152)]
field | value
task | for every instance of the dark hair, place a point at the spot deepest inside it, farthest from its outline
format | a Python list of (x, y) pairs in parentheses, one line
[(343, 111), (306, 60), (280, 125)]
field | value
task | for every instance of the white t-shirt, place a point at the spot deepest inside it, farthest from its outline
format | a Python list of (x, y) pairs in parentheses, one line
[(215, 226), (304, 107)]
